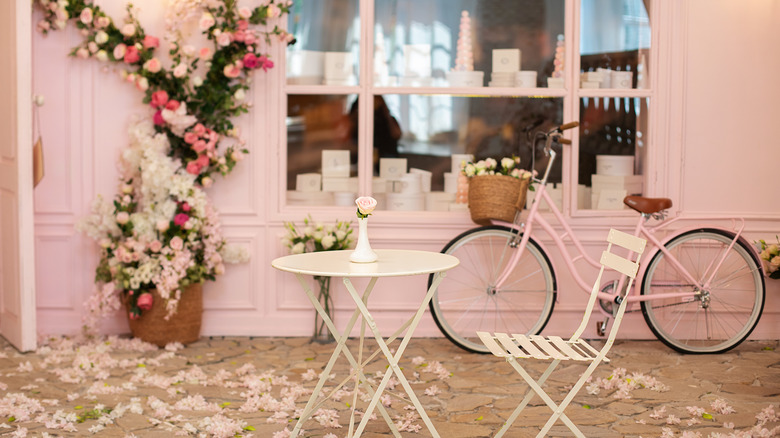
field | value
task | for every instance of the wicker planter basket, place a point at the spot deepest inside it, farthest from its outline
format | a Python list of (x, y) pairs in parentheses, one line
[(183, 326), (496, 197)]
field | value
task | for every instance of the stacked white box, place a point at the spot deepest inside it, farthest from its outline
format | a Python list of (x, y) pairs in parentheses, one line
[(308, 182), (392, 169), (425, 179), (439, 201), (335, 163), (338, 68), (405, 202), (295, 197), (339, 184), (608, 191)]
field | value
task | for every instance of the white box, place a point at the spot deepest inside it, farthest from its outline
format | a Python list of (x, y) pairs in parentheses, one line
[(614, 165), (608, 199), (450, 182), (308, 182), (335, 163), (606, 77), (378, 185), (295, 197), (506, 60), (632, 184), (525, 79), (339, 184), (417, 60), (439, 201), (459, 207), (622, 79), (555, 83), (425, 179), (338, 65), (404, 202), (392, 168), (411, 184)]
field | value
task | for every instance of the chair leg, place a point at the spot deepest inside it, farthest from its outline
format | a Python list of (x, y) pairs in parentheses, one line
[(557, 411), (569, 397), (528, 396)]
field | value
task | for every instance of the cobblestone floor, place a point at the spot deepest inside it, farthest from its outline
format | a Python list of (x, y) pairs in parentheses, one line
[(242, 386)]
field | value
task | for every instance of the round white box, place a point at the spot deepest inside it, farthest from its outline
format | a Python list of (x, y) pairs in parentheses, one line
[(622, 79), (525, 79), (411, 184), (620, 165), (404, 202)]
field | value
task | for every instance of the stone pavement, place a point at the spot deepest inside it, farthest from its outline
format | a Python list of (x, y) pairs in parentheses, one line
[(239, 386)]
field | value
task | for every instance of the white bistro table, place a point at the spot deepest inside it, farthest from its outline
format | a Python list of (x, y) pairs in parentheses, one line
[(391, 263)]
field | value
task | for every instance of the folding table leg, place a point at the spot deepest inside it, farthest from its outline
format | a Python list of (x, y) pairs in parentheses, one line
[(340, 348), (393, 360)]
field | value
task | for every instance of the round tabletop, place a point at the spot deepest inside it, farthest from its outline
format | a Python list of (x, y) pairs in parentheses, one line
[(390, 263)]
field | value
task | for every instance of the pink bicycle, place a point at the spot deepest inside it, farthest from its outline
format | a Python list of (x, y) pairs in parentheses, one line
[(700, 288)]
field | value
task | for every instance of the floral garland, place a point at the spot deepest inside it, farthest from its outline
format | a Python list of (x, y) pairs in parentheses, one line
[(161, 232)]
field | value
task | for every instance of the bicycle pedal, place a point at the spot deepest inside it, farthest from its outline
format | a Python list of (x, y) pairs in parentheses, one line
[(601, 327)]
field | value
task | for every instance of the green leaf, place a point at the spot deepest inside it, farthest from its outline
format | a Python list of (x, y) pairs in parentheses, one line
[(707, 416), (586, 406), (224, 405), (11, 419), (79, 407), (250, 428), (479, 418), (768, 349)]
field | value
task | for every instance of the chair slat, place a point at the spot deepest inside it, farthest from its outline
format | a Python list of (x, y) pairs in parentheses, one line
[(565, 348), (619, 264), (529, 346), (510, 345), (627, 241), (590, 348), (492, 345), (545, 345)]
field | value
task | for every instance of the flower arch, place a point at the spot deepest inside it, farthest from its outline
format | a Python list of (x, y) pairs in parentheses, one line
[(160, 230)]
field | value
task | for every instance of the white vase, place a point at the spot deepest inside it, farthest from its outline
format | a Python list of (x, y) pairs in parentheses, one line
[(363, 252)]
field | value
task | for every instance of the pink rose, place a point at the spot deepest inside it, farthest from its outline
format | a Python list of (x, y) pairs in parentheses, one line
[(185, 207), (131, 55), (163, 225), (249, 38), (159, 98), (172, 105), (119, 51), (206, 21), (122, 217), (239, 36), (251, 61), (158, 118), (206, 182), (203, 161), (128, 29), (153, 65), (86, 16), (102, 21), (232, 71), (190, 137), (180, 219), (145, 301), (177, 243), (193, 168), (151, 42), (180, 70), (224, 39), (244, 13), (365, 205), (205, 53), (133, 315), (142, 83), (155, 246), (82, 53), (199, 146), (266, 63), (273, 11), (199, 129)]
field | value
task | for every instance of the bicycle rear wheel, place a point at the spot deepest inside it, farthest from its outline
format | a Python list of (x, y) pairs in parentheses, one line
[(713, 320), (467, 300)]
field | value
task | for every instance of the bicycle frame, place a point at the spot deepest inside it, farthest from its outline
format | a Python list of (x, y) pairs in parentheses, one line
[(642, 230)]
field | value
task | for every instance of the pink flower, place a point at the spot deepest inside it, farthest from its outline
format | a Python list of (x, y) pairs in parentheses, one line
[(82, 53), (122, 217), (180, 219), (266, 63), (131, 55), (249, 38), (177, 243), (273, 11), (102, 21), (190, 137), (145, 301), (205, 53), (224, 39), (159, 98), (172, 105), (199, 129), (193, 168), (163, 225), (232, 71), (239, 36), (132, 315), (142, 83), (153, 65), (158, 118), (206, 182), (199, 146), (251, 61), (128, 29), (365, 206), (180, 70), (244, 13), (86, 16), (119, 51), (185, 207), (155, 246), (151, 42), (203, 161), (206, 21)]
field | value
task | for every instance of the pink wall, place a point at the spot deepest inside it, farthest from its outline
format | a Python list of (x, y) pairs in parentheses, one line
[(714, 153)]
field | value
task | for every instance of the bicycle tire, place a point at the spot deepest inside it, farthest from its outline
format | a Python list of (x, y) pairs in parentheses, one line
[(466, 302), (717, 319)]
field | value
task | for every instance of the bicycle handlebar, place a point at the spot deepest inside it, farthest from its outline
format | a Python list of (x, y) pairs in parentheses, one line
[(566, 126)]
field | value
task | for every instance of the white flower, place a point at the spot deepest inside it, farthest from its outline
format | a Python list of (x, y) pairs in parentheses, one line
[(101, 55), (101, 37), (128, 30), (328, 241), (507, 163), (180, 70), (179, 120), (239, 94), (297, 248)]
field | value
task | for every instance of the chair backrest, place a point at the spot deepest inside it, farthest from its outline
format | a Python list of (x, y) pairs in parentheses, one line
[(628, 266)]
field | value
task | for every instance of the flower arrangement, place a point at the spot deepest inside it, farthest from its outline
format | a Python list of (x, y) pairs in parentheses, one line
[(489, 166), (316, 236), (365, 206), (770, 257), (161, 232)]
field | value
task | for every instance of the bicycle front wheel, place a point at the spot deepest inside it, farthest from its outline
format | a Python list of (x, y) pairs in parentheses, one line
[(467, 300), (720, 315)]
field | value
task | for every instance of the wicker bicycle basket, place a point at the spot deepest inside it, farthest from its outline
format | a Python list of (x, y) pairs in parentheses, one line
[(183, 326), (496, 197)]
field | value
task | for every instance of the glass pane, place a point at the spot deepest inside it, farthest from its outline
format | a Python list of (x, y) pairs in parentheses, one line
[(327, 42), (613, 135), (614, 43), (321, 153), (420, 140), (418, 43)]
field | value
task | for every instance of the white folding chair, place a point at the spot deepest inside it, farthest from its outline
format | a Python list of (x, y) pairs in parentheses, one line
[(516, 346)]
